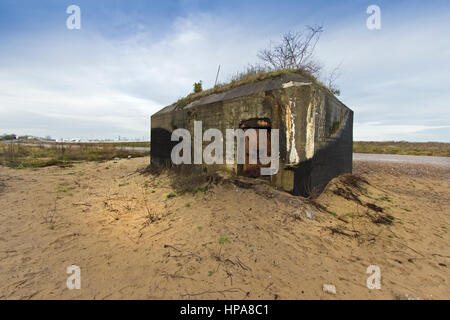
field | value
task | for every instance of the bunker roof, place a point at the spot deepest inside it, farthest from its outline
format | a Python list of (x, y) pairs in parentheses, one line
[(283, 79), (245, 89)]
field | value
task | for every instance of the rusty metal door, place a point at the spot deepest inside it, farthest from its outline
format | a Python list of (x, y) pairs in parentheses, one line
[(254, 170)]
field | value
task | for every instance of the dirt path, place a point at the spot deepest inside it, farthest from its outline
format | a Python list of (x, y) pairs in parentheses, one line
[(135, 237), (445, 161)]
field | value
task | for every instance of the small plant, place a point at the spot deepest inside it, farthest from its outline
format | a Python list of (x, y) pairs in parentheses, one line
[(171, 195), (389, 219), (334, 214), (198, 87), (200, 228), (385, 198), (210, 273), (350, 215), (204, 190), (223, 240), (188, 205)]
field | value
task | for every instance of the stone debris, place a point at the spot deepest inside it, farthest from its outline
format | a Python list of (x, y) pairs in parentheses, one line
[(309, 214), (329, 288), (408, 297)]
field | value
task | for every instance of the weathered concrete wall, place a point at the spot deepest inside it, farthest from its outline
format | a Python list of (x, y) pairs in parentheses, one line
[(332, 143), (315, 129)]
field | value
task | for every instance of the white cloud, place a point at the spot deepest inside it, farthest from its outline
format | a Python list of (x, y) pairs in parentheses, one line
[(83, 84), (87, 79), (397, 76)]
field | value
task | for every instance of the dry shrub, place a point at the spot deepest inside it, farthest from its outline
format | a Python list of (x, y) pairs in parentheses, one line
[(380, 218), (18, 155), (316, 204), (374, 207), (153, 169), (242, 184), (347, 193), (187, 180), (353, 181), (350, 187)]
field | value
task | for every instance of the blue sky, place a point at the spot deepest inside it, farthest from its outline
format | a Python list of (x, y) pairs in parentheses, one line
[(131, 58)]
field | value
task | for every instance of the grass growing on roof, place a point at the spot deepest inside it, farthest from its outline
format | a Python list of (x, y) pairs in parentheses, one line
[(251, 75)]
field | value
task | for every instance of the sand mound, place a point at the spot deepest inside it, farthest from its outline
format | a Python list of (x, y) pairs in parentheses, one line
[(159, 235)]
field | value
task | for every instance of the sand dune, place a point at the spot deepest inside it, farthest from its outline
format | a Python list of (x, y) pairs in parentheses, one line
[(137, 236)]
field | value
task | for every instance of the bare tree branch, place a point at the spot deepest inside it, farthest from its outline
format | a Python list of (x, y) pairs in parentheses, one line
[(296, 51), (331, 80)]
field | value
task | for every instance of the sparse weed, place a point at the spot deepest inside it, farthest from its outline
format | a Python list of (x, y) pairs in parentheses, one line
[(223, 240), (385, 198), (171, 195)]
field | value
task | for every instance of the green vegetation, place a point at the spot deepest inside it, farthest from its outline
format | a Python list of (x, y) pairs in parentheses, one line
[(198, 87), (115, 144), (204, 190), (20, 155), (134, 144), (335, 127), (404, 148), (249, 76), (348, 214), (5, 137), (223, 240), (171, 195), (385, 198), (389, 219), (293, 54)]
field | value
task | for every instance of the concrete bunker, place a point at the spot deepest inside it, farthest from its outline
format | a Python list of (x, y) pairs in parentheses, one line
[(315, 129)]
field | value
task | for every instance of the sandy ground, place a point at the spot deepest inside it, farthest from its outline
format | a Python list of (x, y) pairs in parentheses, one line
[(133, 241)]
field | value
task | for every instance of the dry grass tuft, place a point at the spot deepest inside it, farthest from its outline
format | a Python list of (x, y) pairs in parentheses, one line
[(187, 181), (251, 75), (153, 169), (437, 149), (19, 155)]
